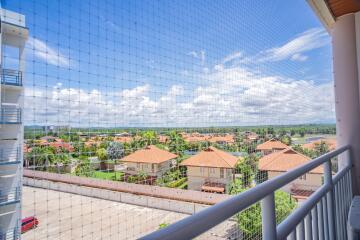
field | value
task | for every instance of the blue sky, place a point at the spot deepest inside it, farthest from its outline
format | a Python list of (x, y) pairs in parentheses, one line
[(175, 63)]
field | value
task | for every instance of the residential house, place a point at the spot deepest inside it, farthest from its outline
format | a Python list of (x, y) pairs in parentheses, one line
[(222, 140), (271, 146), (330, 142), (282, 161), (151, 160), (210, 170)]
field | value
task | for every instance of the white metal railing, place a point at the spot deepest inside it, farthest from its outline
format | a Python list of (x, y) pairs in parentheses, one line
[(8, 196), (11, 77), (9, 155), (12, 234), (10, 115), (321, 216)]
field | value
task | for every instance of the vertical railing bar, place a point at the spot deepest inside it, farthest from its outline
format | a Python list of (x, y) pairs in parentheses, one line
[(325, 217), (330, 200), (343, 209), (300, 231), (308, 226), (337, 210), (292, 235), (320, 220), (315, 226), (268, 217)]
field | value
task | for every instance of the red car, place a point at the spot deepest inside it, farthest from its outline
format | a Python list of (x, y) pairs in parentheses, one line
[(28, 223)]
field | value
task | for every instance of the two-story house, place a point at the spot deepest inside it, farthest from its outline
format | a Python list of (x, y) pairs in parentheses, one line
[(210, 170), (271, 146), (282, 161), (151, 160)]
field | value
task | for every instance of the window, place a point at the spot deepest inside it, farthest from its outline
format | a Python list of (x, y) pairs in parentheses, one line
[(222, 173), (212, 170), (152, 167), (138, 165), (303, 177)]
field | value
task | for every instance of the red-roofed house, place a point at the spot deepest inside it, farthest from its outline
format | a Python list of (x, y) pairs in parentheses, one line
[(279, 162), (210, 170), (271, 146), (151, 160)]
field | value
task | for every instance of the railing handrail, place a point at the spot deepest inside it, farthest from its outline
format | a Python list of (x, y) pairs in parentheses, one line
[(11, 76), (199, 223)]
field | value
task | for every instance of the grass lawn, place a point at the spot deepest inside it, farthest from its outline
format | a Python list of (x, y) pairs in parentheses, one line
[(108, 175)]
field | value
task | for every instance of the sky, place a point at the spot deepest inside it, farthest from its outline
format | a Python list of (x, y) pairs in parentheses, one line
[(162, 63)]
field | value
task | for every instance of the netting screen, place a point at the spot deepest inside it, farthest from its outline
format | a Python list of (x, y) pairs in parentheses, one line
[(126, 116)]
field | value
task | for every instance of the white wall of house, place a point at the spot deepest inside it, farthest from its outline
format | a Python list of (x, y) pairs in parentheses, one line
[(151, 169), (308, 182), (197, 176)]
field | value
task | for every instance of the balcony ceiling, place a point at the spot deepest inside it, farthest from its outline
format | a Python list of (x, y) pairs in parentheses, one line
[(342, 7)]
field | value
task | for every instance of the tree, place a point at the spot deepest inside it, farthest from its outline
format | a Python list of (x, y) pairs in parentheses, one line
[(247, 176), (249, 220), (286, 140), (115, 150), (102, 155), (149, 138), (176, 143), (84, 169)]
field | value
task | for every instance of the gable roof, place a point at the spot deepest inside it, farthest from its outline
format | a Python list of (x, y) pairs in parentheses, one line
[(271, 144), (211, 157), (150, 154), (284, 161), (331, 142)]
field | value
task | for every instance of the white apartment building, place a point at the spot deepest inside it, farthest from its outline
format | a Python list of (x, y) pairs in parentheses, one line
[(13, 37)]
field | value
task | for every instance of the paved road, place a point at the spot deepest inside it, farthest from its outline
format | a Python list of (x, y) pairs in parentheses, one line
[(70, 216)]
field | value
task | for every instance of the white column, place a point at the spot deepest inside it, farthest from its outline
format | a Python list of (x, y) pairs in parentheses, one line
[(347, 91)]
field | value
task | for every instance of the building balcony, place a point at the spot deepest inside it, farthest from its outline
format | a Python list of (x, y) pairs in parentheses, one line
[(10, 156), (10, 196), (11, 77), (323, 215), (10, 114), (11, 234)]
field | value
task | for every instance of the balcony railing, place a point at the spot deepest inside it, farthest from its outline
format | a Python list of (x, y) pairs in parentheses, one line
[(11, 77), (12, 234), (9, 196), (9, 155), (10, 115), (321, 216)]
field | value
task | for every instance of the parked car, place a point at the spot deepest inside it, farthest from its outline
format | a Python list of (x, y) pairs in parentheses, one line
[(28, 223)]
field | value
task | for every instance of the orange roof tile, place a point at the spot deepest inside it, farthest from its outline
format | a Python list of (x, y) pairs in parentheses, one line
[(271, 144), (150, 154), (331, 142), (211, 157), (284, 161)]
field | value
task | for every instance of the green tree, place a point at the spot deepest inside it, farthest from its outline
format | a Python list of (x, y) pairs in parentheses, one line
[(102, 155), (115, 150), (176, 143)]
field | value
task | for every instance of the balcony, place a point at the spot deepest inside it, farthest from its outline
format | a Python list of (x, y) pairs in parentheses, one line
[(10, 196), (12, 234), (10, 114), (9, 156), (11, 77), (322, 216)]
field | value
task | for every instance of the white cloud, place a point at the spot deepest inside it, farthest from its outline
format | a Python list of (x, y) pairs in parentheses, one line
[(46, 53), (229, 96), (299, 57), (304, 42), (201, 55)]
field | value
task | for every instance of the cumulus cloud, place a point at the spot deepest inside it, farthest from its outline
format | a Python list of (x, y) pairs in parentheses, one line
[(228, 93), (46, 53), (311, 39), (230, 96)]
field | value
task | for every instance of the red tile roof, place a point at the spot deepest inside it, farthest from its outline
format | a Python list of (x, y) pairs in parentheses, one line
[(211, 157), (271, 144), (284, 161), (150, 154)]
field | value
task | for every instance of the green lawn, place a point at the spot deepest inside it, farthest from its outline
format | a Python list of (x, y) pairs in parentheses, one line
[(108, 175)]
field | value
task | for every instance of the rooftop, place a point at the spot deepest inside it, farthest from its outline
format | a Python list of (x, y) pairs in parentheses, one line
[(150, 154)]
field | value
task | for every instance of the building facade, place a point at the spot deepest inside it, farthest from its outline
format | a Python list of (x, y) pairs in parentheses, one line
[(13, 37)]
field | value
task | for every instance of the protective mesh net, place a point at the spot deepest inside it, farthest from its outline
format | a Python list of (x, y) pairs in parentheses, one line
[(136, 114)]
